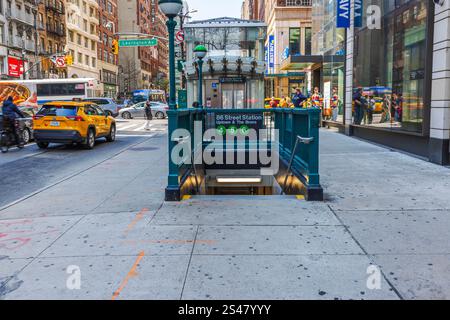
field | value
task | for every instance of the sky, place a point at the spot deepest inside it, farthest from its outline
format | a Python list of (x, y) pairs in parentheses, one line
[(208, 9)]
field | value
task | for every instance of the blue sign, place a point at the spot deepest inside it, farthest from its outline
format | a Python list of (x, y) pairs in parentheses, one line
[(271, 51), (358, 13), (343, 13)]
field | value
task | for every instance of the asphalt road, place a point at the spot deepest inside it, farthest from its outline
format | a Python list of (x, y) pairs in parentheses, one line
[(26, 171)]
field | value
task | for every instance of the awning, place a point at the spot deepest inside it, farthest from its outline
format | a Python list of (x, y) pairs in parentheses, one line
[(306, 62)]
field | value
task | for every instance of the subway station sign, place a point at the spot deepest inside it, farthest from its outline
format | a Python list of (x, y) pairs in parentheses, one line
[(238, 123)]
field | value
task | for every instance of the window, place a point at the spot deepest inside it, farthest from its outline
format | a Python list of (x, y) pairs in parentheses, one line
[(294, 41), (90, 111), (390, 67), (2, 64), (99, 110), (59, 111), (59, 89), (308, 41), (2, 34)]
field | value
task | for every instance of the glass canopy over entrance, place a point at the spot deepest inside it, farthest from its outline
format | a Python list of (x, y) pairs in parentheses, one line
[(234, 67)]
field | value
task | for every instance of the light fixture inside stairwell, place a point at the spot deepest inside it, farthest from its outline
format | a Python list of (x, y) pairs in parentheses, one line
[(239, 179)]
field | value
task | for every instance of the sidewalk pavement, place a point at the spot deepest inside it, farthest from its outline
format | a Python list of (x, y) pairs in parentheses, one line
[(382, 208)]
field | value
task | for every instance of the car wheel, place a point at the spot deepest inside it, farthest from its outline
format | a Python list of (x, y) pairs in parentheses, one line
[(90, 140), (126, 115), (5, 149), (42, 145), (160, 115), (112, 134), (26, 136)]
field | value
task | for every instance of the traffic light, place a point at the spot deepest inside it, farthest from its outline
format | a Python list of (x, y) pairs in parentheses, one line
[(69, 60), (115, 47)]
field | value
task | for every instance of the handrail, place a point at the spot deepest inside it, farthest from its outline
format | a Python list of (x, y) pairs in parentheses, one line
[(291, 161)]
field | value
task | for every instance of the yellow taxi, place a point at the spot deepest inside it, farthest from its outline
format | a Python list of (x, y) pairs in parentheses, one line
[(72, 122)]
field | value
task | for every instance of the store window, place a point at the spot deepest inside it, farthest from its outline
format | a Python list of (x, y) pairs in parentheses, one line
[(329, 41), (390, 66)]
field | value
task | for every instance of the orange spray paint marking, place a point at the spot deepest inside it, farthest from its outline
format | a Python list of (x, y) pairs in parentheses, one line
[(136, 219), (131, 273)]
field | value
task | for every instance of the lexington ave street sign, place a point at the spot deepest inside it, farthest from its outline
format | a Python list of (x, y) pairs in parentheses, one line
[(138, 43)]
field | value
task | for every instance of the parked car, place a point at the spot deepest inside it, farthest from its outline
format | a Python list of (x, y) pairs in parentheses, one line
[(159, 111), (28, 131), (72, 122), (109, 105)]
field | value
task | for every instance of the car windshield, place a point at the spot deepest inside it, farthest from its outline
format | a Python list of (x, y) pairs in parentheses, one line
[(61, 111)]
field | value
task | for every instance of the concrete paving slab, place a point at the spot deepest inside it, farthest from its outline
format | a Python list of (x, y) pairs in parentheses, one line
[(102, 277), (411, 232), (281, 212), (120, 234), (27, 238), (9, 269), (281, 277), (275, 240), (390, 181), (418, 276), (334, 143)]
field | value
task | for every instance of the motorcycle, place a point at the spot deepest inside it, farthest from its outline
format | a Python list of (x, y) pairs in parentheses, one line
[(7, 137)]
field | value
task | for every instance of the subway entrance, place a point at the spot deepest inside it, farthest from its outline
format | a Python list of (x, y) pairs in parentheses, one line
[(255, 152)]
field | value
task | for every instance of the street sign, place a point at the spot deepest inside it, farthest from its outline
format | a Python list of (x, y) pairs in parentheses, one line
[(59, 61), (138, 43), (180, 36)]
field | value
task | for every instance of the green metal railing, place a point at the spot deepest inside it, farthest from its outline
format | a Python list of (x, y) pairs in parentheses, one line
[(284, 127)]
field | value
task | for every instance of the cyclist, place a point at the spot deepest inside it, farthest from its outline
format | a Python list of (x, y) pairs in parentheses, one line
[(10, 113)]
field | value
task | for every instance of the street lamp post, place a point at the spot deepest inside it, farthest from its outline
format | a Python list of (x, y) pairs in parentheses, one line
[(171, 8), (200, 52)]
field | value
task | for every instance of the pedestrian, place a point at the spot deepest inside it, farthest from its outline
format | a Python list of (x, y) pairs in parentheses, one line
[(148, 114), (399, 108), (273, 103), (316, 98), (335, 101), (283, 102), (359, 106), (371, 105), (386, 113), (298, 99)]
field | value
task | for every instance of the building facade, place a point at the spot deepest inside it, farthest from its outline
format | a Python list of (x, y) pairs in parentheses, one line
[(108, 61), (51, 25), (142, 67), (251, 10), (289, 32), (82, 17), (234, 66), (18, 39), (400, 59)]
